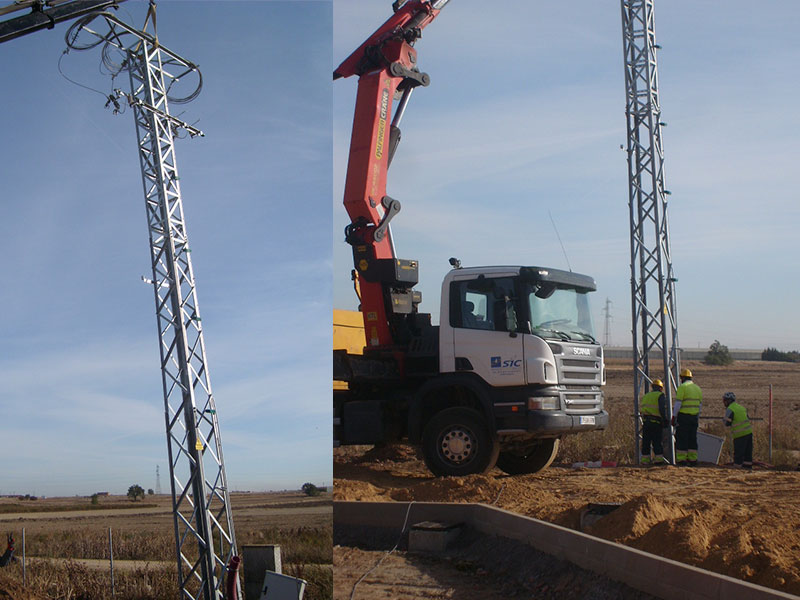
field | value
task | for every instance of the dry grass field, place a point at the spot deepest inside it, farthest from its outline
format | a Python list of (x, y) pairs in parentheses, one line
[(75, 534), (742, 524)]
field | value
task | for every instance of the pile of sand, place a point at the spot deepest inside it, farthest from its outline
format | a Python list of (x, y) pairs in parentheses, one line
[(745, 525)]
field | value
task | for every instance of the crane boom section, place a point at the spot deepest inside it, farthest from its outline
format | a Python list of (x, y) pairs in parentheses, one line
[(386, 64)]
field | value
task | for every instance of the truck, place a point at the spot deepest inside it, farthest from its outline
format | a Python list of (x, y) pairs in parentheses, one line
[(513, 365)]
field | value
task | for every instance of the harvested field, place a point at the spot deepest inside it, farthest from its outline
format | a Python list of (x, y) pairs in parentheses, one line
[(77, 538), (742, 524)]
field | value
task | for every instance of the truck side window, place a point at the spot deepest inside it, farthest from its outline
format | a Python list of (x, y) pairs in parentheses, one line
[(487, 304)]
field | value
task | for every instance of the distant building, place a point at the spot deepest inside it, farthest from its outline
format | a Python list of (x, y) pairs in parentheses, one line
[(685, 353)]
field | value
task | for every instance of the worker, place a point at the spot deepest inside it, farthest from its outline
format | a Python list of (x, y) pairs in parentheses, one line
[(685, 417), (8, 555), (653, 409), (741, 429)]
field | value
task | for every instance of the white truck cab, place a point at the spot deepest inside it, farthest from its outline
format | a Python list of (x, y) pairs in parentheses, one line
[(520, 326), (523, 339), (512, 367)]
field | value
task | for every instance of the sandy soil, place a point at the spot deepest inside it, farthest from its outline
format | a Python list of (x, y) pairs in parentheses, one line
[(742, 524), (475, 567)]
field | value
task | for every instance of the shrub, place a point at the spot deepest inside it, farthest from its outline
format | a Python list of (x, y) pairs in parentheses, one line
[(309, 489), (718, 355)]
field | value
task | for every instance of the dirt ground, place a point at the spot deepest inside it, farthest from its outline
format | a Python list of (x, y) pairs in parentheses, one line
[(742, 524), (258, 510), (478, 568)]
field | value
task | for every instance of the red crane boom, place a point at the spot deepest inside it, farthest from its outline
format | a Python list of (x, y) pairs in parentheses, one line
[(386, 64)]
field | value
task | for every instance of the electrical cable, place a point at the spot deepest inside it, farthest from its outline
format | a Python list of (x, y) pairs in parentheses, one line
[(498, 494), (113, 40), (71, 36), (385, 556), (91, 89)]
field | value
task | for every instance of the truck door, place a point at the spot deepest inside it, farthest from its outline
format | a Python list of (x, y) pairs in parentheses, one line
[(483, 313)]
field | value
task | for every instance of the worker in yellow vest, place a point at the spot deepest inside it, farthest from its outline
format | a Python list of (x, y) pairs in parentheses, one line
[(741, 429), (685, 417), (653, 410)]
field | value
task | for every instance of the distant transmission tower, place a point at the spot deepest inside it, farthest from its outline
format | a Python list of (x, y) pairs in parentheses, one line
[(607, 330), (655, 322), (158, 481), (203, 523)]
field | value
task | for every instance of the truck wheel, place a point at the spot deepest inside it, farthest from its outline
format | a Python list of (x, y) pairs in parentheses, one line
[(531, 460), (456, 441)]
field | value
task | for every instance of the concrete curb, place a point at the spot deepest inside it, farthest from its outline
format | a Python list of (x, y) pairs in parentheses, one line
[(649, 573)]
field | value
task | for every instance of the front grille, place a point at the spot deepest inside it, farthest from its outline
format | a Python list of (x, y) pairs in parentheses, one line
[(582, 404), (578, 371), (571, 362), (577, 375), (579, 378)]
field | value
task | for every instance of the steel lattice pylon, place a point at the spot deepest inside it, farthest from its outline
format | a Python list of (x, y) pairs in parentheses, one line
[(655, 322), (204, 533)]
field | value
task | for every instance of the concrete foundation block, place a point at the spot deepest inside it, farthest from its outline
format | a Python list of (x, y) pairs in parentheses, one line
[(256, 561), (432, 536)]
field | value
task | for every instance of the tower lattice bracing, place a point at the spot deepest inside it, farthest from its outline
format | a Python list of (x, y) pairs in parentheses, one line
[(204, 533), (654, 319)]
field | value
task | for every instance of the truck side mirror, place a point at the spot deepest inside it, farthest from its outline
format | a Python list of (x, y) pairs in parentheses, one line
[(545, 290)]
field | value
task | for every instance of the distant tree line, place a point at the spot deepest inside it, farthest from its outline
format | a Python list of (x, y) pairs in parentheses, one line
[(774, 354)]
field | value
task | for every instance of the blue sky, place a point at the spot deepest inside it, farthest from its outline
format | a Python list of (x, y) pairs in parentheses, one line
[(524, 119), (80, 385)]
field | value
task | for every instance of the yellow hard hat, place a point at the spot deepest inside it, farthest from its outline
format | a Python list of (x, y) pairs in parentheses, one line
[(686, 373), (658, 383)]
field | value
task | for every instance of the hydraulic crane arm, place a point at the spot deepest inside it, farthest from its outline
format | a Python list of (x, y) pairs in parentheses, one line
[(386, 64), (44, 15)]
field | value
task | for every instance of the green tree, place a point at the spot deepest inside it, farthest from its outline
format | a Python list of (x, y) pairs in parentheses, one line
[(773, 354), (150, 491), (718, 355), (309, 489), (135, 491), (95, 499)]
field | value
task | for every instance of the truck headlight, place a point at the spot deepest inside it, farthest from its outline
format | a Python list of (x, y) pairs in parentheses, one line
[(543, 403)]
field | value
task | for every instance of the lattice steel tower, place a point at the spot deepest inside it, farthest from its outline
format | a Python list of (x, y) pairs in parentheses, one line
[(655, 322), (204, 534)]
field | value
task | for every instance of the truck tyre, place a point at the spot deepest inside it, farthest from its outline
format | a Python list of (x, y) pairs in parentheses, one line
[(532, 460), (456, 441)]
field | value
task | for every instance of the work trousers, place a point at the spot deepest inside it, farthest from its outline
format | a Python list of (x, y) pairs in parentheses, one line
[(743, 451), (6, 558), (686, 439), (651, 436)]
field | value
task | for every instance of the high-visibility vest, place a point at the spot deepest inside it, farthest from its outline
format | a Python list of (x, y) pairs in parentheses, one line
[(691, 396), (740, 425), (649, 405)]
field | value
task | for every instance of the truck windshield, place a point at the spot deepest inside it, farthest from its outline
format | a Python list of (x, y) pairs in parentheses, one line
[(565, 314)]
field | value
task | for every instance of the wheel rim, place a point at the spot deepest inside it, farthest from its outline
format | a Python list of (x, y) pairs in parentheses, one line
[(457, 445)]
